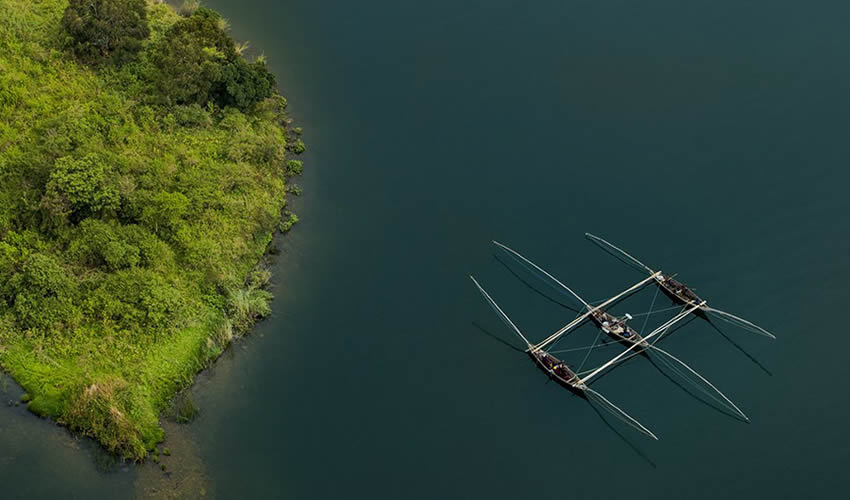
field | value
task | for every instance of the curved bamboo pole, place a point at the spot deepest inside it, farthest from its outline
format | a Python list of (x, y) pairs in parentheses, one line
[(535, 266), (581, 318), (669, 323), (500, 312)]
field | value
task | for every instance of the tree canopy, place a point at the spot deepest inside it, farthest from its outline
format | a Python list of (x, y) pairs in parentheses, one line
[(106, 30), (80, 187), (197, 62)]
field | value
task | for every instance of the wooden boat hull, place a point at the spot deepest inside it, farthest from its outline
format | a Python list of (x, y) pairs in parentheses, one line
[(684, 301), (564, 382), (627, 341)]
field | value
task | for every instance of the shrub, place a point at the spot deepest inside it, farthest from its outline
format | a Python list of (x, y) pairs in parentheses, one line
[(192, 116), (41, 276), (40, 293), (289, 220), (296, 147), (161, 211), (259, 278), (80, 188), (294, 167), (136, 300), (196, 62), (243, 84), (109, 244), (105, 30), (247, 305)]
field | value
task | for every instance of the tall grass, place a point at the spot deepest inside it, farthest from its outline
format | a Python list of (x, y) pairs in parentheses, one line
[(247, 305)]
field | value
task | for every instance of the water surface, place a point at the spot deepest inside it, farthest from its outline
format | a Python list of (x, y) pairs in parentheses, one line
[(708, 138)]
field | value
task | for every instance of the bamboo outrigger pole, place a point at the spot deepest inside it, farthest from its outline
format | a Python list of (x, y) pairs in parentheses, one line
[(500, 312), (581, 318), (663, 280), (675, 319)]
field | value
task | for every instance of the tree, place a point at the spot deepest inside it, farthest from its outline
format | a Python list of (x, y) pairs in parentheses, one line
[(40, 292), (162, 212), (196, 62), (244, 84), (106, 30), (80, 188)]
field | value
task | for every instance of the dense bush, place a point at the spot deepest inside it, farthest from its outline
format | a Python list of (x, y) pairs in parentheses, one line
[(80, 188), (40, 293), (105, 30), (196, 62)]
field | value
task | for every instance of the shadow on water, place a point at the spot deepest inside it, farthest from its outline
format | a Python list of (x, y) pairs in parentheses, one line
[(496, 337), (623, 363), (619, 257), (675, 327), (737, 346), (532, 287), (632, 446), (721, 410)]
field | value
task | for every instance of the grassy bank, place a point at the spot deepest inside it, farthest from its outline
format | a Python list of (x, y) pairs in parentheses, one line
[(133, 211)]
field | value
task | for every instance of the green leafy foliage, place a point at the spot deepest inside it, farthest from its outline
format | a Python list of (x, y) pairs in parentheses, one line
[(105, 30), (196, 62), (135, 204), (289, 220), (40, 293), (80, 188)]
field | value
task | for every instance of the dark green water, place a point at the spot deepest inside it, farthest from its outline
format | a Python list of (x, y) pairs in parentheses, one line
[(709, 138)]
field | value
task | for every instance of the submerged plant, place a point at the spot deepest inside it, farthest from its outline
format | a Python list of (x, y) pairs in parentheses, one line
[(184, 408)]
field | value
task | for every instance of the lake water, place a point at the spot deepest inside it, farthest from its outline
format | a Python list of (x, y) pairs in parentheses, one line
[(709, 138)]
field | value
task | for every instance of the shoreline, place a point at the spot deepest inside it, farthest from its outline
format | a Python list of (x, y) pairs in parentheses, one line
[(174, 363)]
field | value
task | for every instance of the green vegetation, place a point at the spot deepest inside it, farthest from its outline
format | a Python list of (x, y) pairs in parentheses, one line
[(143, 172), (289, 220), (196, 62), (105, 30)]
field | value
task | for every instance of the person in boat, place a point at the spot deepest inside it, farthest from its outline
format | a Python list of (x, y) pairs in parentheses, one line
[(560, 370)]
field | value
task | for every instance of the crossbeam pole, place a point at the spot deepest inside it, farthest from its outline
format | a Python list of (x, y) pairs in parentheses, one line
[(665, 326), (591, 310)]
